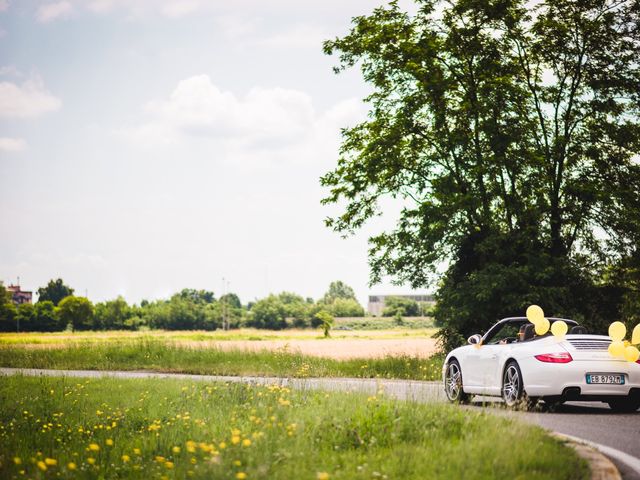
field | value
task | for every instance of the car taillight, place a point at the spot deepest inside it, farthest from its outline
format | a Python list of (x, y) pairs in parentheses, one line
[(562, 357)]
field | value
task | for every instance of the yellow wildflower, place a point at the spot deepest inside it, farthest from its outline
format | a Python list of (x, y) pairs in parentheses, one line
[(50, 461), (241, 475), (222, 445), (42, 466), (175, 449), (91, 461), (17, 460), (322, 476), (126, 458), (159, 459), (168, 465), (237, 463), (246, 442), (71, 466), (136, 451), (94, 447), (235, 439), (109, 442)]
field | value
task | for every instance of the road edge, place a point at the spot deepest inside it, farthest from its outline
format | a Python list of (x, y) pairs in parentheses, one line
[(602, 468)]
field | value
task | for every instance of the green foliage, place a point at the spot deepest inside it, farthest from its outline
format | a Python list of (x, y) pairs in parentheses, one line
[(340, 301), (54, 291), (112, 314), (525, 185), (26, 317), (338, 290), (47, 318), (405, 307), (280, 311), (77, 312), (326, 320), (345, 307), (7, 311), (231, 299)]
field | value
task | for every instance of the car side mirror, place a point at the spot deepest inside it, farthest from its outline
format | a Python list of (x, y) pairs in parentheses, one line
[(474, 339)]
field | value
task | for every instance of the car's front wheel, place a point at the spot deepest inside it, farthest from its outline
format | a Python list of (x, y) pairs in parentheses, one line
[(453, 383), (624, 404)]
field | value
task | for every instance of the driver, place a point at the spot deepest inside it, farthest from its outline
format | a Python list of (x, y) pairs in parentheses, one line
[(522, 332)]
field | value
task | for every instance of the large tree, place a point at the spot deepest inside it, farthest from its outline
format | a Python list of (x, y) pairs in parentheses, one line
[(508, 137), (54, 291)]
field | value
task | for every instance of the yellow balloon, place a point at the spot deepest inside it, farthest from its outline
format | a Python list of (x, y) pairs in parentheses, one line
[(542, 326), (617, 331), (559, 329), (617, 349), (535, 314), (635, 336), (631, 354)]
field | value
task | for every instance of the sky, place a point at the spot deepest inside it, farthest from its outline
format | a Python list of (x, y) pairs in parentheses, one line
[(152, 145)]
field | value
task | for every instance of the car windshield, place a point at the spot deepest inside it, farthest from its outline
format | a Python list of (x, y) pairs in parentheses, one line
[(507, 334)]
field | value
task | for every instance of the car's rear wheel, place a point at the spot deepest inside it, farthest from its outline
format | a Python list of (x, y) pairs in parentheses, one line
[(453, 383), (513, 388), (624, 404)]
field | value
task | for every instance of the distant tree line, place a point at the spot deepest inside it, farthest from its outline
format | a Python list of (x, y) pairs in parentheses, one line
[(58, 309)]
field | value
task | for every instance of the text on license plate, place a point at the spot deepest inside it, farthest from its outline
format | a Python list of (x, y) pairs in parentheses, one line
[(605, 378)]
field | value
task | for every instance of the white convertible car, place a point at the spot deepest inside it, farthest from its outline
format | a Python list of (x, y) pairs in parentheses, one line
[(510, 361)]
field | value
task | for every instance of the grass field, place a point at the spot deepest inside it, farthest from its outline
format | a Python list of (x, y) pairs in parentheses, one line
[(160, 356), (242, 334), (107, 428)]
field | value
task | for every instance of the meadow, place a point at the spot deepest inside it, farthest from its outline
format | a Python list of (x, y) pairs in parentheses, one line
[(158, 355), (169, 429), (240, 334)]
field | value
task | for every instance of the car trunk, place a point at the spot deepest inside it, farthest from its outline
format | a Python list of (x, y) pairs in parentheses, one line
[(589, 347)]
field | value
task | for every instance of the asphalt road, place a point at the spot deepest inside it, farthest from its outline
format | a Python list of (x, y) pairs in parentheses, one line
[(589, 421)]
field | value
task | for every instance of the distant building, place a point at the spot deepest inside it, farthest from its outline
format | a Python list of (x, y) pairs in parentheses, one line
[(19, 296), (376, 302)]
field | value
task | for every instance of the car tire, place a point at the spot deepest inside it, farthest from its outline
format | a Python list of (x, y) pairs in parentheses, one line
[(624, 405), (453, 386), (513, 388)]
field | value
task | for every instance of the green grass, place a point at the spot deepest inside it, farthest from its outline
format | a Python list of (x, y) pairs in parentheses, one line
[(384, 323), (147, 429), (385, 330), (159, 356)]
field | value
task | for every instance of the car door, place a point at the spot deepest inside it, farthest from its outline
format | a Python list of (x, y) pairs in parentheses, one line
[(491, 357), (471, 371), (489, 360)]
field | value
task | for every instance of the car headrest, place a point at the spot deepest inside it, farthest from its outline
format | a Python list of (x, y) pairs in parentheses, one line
[(529, 332), (578, 330)]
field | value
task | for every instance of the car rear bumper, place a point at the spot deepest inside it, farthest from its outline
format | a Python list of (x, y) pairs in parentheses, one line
[(570, 379)]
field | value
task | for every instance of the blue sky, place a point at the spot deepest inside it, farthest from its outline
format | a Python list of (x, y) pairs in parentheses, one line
[(151, 145)]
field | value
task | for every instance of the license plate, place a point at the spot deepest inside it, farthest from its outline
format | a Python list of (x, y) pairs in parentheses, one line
[(605, 378)]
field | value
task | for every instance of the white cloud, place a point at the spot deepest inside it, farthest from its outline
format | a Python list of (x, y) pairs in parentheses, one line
[(12, 145), (31, 99), (53, 11), (9, 71), (180, 8), (300, 36), (138, 8), (197, 107)]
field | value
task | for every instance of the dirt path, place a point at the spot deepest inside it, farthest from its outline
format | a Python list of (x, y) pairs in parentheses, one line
[(330, 348)]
